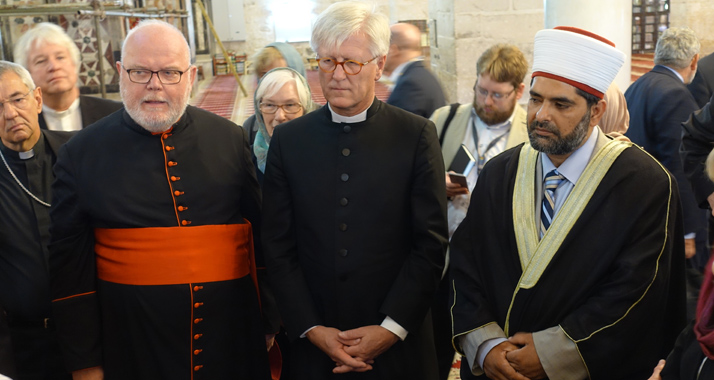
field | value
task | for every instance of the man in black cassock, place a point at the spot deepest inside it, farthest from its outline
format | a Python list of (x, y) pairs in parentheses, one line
[(28, 154), (569, 264), (152, 254), (354, 215)]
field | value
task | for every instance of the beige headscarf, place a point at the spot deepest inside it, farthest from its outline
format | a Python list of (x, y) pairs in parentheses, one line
[(616, 117)]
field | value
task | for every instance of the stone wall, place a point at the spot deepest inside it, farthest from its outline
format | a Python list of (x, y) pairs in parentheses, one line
[(698, 15), (260, 28), (464, 29)]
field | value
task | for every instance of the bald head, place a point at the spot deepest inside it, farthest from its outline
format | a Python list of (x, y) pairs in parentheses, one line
[(163, 34), (404, 45)]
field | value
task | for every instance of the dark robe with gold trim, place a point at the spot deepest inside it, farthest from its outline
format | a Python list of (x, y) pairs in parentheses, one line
[(117, 175), (615, 286)]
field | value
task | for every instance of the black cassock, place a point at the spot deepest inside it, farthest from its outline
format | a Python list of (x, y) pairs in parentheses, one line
[(116, 175), (355, 230), (615, 285)]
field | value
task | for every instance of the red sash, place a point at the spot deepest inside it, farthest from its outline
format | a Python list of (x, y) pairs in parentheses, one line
[(174, 255)]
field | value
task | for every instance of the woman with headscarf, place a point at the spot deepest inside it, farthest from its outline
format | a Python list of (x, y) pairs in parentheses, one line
[(277, 54), (282, 95)]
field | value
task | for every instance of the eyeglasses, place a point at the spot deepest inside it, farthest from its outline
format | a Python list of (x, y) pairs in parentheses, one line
[(349, 66), (496, 96), (18, 102), (271, 108), (143, 76)]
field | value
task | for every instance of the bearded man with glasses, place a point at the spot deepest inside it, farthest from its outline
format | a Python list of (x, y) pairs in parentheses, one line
[(354, 216), (153, 264)]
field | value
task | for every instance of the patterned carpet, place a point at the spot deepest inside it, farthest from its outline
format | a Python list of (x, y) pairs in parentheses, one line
[(223, 97)]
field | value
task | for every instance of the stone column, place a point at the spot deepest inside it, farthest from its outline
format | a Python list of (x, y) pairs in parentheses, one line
[(611, 19), (464, 29)]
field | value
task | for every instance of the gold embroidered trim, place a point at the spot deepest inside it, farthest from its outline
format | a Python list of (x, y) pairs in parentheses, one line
[(536, 255)]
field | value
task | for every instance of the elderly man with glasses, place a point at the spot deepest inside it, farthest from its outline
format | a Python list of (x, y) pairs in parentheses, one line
[(53, 60), (153, 263), (354, 216), (27, 155)]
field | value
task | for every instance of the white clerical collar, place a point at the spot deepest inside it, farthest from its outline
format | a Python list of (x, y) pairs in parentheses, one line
[(675, 72), (360, 117), (26, 155), (61, 114)]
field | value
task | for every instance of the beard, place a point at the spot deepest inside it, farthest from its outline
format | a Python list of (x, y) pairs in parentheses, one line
[(494, 116), (152, 121), (558, 144)]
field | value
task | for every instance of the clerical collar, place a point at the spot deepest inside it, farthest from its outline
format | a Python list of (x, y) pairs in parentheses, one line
[(26, 155), (38, 149), (360, 117), (61, 114)]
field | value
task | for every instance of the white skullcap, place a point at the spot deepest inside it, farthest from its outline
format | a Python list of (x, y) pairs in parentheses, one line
[(577, 57)]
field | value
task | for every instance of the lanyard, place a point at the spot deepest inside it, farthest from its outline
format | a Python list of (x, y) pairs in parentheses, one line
[(482, 156)]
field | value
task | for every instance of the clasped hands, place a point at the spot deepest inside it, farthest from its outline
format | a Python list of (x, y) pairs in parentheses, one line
[(514, 359), (352, 350)]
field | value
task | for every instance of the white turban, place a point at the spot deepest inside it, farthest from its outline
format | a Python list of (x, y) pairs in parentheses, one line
[(577, 57)]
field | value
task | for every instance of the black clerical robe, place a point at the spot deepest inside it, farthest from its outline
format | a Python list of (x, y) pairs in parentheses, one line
[(614, 286), (24, 237), (354, 231), (115, 176)]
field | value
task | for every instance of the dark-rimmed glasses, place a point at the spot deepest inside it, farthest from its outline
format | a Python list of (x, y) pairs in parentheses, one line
[(18, 102), (143, 76), (271, 108), (350, 67)]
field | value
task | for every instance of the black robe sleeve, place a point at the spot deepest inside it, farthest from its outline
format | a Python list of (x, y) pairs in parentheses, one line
[(73, 272), (697, 142)]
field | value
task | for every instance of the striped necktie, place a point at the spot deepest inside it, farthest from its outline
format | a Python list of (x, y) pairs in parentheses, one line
[(552, 181)]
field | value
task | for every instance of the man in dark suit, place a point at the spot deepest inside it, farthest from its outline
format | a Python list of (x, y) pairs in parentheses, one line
[(659, 103), (28, 154), (702, 85), (354, 211), (416, 89), (53, 60)]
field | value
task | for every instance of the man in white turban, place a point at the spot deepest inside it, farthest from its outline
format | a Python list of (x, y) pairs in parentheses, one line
[(569, 264)]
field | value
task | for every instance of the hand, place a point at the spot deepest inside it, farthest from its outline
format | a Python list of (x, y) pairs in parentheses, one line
[(497, 367), (269, 340), (690, 248), (94, 373), (325, 338), (710, 199), (368, 342), (525, 359), (454, 189), (657, 370)]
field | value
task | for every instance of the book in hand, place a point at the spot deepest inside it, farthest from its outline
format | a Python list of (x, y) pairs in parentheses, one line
[(461, 166)]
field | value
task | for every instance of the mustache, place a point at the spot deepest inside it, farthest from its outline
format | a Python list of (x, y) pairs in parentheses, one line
[(545, 125)]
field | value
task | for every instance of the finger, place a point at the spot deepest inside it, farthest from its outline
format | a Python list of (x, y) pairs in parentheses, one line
[(519, 339), (351, 334), (349, 342), (342, 357), (658, 369)]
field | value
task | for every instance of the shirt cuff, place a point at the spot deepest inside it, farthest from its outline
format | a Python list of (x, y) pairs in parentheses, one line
[(396, 329), (485, 348), (307, 331), (690, 235), (559, 355)]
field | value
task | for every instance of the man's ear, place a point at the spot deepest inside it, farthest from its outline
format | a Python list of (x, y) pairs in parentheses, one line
[(596, 112)]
